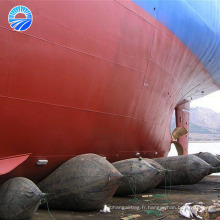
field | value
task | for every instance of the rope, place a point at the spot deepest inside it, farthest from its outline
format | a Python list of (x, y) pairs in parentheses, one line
[(155, 212), (165, 180), (134, 191), (45, 197), (158, 196), (134, 188), (215, 169)]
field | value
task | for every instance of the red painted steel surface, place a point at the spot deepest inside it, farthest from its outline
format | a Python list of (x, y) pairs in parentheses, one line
[(90, 76)]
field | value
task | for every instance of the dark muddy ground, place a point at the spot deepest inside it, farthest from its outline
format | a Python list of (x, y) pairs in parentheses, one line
[(148, 207)]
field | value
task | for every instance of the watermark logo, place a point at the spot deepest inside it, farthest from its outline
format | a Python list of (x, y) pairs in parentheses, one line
[(23, 20)]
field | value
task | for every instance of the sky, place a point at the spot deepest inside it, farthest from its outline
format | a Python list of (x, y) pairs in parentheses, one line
[(211, 101)]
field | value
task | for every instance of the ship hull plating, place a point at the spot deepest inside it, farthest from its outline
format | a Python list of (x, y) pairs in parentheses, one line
[(90, 76)]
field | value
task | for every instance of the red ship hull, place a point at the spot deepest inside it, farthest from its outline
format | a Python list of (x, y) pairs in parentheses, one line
[(99, 76)]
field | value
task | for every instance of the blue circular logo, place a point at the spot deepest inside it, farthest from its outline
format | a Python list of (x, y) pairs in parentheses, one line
[(20, 24)]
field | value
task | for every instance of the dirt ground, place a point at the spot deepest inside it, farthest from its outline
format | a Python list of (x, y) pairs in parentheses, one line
[(171, 199)]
